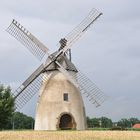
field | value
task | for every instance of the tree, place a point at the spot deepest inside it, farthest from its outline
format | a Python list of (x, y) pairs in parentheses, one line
[(95, 122), (134, 121), (6, 106), (124, 123), (22, 121), (105, 122), (88, 122), (92, 122), (99, 122)]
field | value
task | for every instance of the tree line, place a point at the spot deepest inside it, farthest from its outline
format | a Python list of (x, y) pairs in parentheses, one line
[(104, 122), (9, 119)]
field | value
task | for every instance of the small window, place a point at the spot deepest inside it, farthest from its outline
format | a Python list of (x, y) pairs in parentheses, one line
[(65, 96)]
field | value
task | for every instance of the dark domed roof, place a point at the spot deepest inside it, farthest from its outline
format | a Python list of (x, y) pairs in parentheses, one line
[(64, 61)]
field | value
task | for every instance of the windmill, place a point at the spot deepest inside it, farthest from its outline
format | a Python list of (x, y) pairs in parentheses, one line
[(57, 81)]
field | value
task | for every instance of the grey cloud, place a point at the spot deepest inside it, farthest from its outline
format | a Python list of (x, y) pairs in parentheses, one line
[(108, 53)]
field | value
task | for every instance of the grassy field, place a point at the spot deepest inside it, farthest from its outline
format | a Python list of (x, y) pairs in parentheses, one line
[(70, 135)]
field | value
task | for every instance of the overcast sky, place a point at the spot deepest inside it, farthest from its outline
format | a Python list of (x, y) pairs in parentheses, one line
[(109, 53)]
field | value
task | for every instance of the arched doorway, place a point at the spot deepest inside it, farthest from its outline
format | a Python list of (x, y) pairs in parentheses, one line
[(67, 122)]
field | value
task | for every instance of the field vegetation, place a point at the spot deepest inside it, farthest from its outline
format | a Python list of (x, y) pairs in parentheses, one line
[(69, 135)]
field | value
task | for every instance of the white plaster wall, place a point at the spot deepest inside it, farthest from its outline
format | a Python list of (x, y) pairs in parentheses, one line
[(51, 104)]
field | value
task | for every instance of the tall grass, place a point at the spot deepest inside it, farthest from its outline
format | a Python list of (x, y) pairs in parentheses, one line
[(69, 135)]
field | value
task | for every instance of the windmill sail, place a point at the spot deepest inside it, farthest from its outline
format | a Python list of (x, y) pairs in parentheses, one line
[(29, 80), (78, 31), (37, 48), (29, 88), (92, 92), (25, 95), (31, 85)]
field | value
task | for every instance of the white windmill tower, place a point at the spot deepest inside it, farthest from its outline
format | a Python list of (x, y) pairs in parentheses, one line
[(58, 82)]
